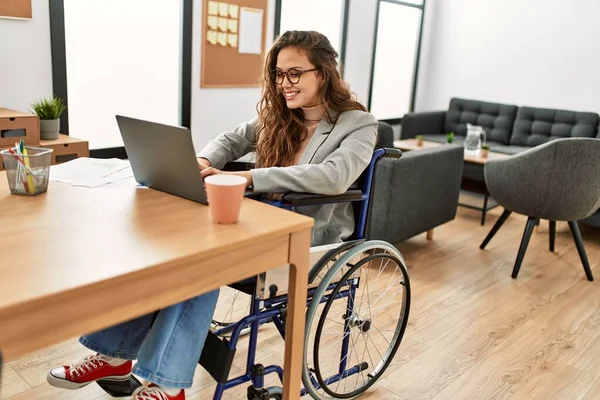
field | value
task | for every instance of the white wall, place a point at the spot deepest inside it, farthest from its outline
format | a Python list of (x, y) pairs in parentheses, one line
[(541, 53), (26, 63), (218, 110)]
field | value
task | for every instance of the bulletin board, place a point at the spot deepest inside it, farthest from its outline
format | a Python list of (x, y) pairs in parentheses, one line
[(15, 9), (234, 33)]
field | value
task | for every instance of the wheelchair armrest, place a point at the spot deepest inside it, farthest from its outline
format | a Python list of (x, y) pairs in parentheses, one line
[(309, 199), (238, 166)]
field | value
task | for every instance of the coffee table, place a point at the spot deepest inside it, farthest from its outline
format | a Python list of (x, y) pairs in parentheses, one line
[(473, 160)]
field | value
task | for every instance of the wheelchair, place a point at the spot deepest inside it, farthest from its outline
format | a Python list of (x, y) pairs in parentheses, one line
[(357, 309), (358, 304)]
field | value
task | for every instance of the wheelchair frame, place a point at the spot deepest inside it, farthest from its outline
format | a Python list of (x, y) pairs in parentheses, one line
[(273, 309)]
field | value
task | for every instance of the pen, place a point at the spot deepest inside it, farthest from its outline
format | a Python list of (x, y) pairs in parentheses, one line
[(29, 175)]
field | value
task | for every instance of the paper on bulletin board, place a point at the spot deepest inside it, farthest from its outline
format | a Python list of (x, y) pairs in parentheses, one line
[(251, 26), (233, 10), (223, 9), (232, 39), (212, 37), (232, 25), (222, 38), (213, 22), (213, 8), (223, 24)]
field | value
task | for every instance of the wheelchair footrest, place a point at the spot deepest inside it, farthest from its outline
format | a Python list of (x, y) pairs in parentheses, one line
[(216, 358), (120, 388)]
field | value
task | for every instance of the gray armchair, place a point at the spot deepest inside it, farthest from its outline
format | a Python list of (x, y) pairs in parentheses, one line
[(415, 193), (557, 181)]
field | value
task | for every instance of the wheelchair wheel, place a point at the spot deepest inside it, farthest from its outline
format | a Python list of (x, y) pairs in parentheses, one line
[(232, 306), (355, 323)]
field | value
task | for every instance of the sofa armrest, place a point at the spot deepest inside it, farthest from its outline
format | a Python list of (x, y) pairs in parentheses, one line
[(422, 123), (415, 193)]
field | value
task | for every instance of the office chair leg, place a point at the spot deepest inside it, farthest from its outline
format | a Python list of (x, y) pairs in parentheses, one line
[(581, 249), (495, 228), (484, 211), (552, 235), (523, 247)]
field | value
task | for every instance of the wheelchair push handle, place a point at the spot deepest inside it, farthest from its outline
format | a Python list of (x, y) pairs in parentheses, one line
[(392, 153)]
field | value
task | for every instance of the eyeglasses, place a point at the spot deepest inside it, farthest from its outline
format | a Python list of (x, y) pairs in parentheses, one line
[(293, 75)]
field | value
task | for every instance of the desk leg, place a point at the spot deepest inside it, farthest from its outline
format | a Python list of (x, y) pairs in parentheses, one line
[(1, 364), (295, 324)]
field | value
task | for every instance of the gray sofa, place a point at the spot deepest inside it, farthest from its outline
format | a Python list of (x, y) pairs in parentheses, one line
[(510, 129), (415, 193)]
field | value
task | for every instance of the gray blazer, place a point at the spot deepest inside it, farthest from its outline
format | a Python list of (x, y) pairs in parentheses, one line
[(335, 157)]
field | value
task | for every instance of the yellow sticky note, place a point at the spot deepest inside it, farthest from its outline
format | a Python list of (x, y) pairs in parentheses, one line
[(233, 10), (232, 40), (213, 22), (211, 36), (213, 8), (222, 39), (223, 24), (223, 9), (233, 25)]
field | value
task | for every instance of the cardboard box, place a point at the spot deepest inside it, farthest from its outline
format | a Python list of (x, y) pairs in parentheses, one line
[(17, 125), (66, 148)]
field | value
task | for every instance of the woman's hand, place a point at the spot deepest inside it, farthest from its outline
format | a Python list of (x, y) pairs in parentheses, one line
[(203, 163), (213, 171)]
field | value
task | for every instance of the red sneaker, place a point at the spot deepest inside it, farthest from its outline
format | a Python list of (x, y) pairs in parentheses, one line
[(154, 392), (88, 370)]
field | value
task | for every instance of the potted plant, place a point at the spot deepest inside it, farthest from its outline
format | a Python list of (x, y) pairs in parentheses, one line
[(49, 111), (419, 139), (450, 137), (485, 149)]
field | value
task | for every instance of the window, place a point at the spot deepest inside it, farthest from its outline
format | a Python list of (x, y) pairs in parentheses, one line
[(120, 58), (326, 17), (395, 58)]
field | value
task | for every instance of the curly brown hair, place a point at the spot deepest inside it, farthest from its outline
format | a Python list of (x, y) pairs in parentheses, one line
[(281, 130)]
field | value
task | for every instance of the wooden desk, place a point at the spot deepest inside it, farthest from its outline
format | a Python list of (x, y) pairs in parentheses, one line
[(70, 253)]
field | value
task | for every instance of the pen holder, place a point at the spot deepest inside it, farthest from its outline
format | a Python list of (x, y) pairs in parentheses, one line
[(27, 174)]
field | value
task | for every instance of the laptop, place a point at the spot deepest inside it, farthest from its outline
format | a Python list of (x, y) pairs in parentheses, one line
[(162, 157)]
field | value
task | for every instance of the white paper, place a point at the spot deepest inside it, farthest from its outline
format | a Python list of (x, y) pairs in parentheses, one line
[(90, 172), (118, 176), (251, 25)]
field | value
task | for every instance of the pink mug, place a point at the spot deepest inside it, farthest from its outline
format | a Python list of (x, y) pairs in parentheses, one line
[(225, 194)]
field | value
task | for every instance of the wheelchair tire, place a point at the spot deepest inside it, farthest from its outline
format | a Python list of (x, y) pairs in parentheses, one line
[(355, 323)]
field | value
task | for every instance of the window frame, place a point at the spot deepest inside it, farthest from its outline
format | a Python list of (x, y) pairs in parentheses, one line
[(59, 70), (413, 93)]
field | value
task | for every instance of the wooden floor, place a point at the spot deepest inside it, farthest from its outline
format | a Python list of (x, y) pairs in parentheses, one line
[(474, 332)]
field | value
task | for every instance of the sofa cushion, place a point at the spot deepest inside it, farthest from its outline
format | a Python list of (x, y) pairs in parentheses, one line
[(535, 126), (497, 119)]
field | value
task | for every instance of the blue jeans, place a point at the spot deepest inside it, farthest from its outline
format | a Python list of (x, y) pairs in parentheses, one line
[(167, 351)]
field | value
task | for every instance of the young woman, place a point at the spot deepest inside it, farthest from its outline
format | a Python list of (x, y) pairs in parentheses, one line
[(309, 136)]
